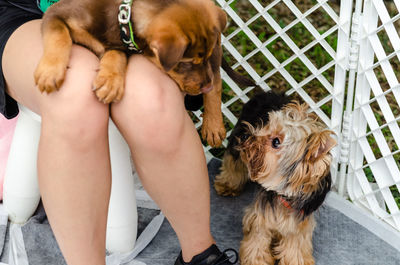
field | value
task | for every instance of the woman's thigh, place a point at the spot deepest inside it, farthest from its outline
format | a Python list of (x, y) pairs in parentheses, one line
[(20, 58), (150, 89), (152, 109)]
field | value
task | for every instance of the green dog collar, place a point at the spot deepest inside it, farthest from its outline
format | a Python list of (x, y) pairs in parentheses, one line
[(125, 25), (44, 4)]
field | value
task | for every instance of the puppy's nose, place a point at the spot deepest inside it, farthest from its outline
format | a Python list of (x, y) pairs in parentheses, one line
[(207, 88)]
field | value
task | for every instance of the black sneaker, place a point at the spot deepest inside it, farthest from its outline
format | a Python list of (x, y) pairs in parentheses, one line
[(211, 256)]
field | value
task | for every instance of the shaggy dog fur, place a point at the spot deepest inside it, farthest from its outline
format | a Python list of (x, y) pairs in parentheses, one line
[(285, 149)]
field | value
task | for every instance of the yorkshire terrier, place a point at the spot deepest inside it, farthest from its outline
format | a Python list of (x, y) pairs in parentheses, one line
[(286, 150)]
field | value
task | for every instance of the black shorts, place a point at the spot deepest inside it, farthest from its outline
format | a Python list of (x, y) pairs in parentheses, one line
[(13, 13)]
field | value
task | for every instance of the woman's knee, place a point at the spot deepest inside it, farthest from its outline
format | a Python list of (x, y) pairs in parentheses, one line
[(159, 129), (74, 112), (82, 126), (152, 112)]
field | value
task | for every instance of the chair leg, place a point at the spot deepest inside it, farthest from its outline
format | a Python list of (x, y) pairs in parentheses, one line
[(122, 212), (21, 190)]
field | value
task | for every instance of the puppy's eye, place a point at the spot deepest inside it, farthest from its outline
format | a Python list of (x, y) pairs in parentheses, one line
[(276, 143)]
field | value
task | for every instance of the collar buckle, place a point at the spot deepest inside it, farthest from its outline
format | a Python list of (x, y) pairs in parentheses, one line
[(124, 14), (287, 205)]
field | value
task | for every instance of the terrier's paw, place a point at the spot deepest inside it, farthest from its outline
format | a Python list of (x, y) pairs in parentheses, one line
[(49, 76), (213, 131), (225, 188), (109, 86)]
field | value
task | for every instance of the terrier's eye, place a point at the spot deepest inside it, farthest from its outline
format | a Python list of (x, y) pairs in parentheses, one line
[(244, 137), (276, 143)]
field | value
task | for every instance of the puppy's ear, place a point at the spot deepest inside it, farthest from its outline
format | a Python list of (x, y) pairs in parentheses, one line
[(169, 49), (222, 19), (320, 144)]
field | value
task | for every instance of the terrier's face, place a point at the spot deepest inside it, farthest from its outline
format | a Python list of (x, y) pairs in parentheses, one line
[(290, 154)]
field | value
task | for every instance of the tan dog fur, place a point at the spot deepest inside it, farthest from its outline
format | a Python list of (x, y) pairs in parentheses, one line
[(181, 37)]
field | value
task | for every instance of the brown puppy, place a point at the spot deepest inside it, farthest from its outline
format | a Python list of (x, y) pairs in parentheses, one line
[(182, 37)]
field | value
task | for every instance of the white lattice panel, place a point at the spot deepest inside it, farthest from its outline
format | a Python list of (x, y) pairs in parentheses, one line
[(303, 47), (374, 167), (284, 22)]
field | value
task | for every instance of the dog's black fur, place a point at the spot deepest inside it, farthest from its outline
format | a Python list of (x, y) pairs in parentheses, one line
[(303, 206), (255, 112)]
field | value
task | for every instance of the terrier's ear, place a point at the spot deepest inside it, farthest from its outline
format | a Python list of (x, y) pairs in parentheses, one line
[(320, 144), (169, 48), (257, 164)]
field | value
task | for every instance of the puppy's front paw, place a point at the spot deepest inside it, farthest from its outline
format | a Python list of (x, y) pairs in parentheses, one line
[(49, 76), (213, 131), (109, 86)]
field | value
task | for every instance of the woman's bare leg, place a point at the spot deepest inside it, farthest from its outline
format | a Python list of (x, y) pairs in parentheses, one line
[(167, 152), (73, 160)]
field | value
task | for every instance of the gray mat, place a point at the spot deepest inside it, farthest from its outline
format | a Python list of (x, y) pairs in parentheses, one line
[(337, 238)]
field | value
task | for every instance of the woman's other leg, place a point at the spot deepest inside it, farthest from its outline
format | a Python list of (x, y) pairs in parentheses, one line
[(73, 159), (167, 152)]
